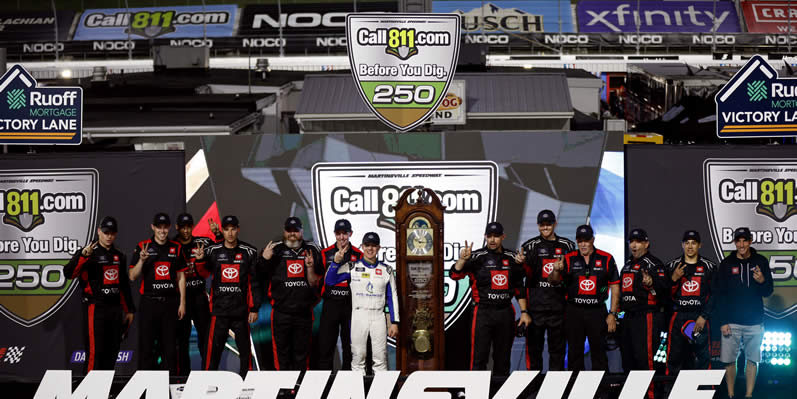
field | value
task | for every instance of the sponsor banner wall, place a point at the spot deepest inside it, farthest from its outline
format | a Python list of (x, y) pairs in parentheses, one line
[(511, 16), (35, 25), (504, 176), (656, 16), (770, 16), (154, 22), (310, 19), (715, 189), (51, 205)]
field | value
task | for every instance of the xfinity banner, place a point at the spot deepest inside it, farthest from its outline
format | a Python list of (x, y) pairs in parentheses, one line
[(770, 16), (510, 16), (35, 26), (154, 22), (310, 19), (656, 16)]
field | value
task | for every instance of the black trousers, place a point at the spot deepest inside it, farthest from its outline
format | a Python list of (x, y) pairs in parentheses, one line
[(217, 338), (197, 309), (492, 325), (157, 333), (102, 332), (335, 320), (291, 335), (682, 354), (640, 338), (553, 323), (581, 323)]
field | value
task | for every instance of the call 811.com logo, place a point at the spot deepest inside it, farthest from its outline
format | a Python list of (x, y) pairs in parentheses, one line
[(402, 64)]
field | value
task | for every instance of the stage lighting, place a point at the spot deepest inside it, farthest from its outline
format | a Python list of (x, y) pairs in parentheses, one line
[(776, 348)]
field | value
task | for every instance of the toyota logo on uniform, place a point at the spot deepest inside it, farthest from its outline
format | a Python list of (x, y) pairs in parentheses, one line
[(547, 269), (238, 256), (587, 285), (499, 281), (162, 270), (112, 274), (628, 281), (691, 286), (296, 268), (230, 273)]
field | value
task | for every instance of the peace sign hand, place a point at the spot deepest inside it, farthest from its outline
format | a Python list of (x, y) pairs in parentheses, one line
[(89, 249), (214, 227), (559, 265), (679, 272), (339, 255), (199, 252), (268, 251), (465, 252), (144, 254)]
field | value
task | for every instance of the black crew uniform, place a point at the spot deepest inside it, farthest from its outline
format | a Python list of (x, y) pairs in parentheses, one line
[(336, 313), (692, 298), (234, 293), (546, 302), (294, 293), (160, 299), (587, 287), (495, 277), (106, 298), (197, 309)]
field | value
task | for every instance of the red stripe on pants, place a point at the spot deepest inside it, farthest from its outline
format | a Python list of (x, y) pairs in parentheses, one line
[(274, 343), (473, 335), (210, 342), (669, 338), (92, 347), (649, 334)]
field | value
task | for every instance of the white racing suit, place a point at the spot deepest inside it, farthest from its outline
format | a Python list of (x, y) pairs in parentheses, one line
[(372, 286)]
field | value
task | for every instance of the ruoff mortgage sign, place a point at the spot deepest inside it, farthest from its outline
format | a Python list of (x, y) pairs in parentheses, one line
[(756, 103), (38, 115), (402, 64)]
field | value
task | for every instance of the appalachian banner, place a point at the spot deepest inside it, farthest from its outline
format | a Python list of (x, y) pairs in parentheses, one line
[(50, 205)]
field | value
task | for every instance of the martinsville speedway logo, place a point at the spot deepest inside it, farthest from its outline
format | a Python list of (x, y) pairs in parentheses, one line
[(759, 194), (38, 115), (366, 194), (349, 384), (46, 216)]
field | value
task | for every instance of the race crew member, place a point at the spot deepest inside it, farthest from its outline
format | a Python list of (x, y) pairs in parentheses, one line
[(588, 274), (235, 294), (107, 304), (743, 280), (496, 275), (293, 271), (689, 338), (161, 265), (372, 286), (546, 302), (336, 310), (197, 309)]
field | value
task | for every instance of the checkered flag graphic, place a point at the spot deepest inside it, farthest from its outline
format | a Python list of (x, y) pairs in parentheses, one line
[(14, 354)]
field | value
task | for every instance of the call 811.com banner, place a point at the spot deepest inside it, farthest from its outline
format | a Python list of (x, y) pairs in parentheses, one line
[(715, 190)]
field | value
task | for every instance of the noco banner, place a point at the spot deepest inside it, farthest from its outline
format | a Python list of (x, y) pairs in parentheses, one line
[(656, 16), (770, 16), (156, 22), (310, 19), (519, 17), (35, 26), (402, 64)]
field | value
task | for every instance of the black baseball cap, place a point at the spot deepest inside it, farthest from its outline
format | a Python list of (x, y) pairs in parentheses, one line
[(371, 238), (584, 232), (494, 228), (691, 235), (108, 224), (742, 232), (293, 223), (546, 217), (638, 235), (185, 219), (229, 220), (342, 225), (161, 218)]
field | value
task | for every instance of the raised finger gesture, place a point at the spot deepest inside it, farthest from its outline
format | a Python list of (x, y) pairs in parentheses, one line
[(339, 255), (268, 251), (647, 281), (465, 252), (559, 265), (199, 252), (214, 227), (89, 249), (309, 259), (520, 257), (144, 254), (679, 271)]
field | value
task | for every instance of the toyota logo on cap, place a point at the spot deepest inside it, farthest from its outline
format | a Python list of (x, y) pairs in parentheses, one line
[(587, 285), (295, 268), (230, 273), (627, 281), (499, 280), (111, 274), (691, 286), (162, 270)]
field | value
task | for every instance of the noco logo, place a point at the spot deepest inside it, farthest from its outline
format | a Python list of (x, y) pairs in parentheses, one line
[(47, 215)]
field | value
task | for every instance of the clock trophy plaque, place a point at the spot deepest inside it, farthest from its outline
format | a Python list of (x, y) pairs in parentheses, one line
[(419, 267)]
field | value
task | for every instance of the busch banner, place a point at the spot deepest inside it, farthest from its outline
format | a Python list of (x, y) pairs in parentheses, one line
[(518, 17)]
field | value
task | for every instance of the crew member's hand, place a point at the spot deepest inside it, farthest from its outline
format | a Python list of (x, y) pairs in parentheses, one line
[(465, 252), (199, 252), (144, 254), (700, 324), (611, 322), (88, 249), (339, 255), (309, 259), (252, 317), (214, 227), (393, 331), (758, 276), (559, 265), (679, 272), (268, 251), (520, 257), (129, 318), (647, 281), (525, 320), (181, 311), (726, 330)]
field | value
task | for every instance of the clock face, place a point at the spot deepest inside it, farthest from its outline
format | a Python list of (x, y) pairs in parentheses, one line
[(420, 237)]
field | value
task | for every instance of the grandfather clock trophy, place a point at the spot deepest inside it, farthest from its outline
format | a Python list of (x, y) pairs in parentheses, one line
[(419, 267)]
